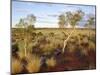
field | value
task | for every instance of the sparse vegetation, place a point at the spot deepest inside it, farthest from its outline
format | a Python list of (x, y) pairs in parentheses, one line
[(46, 47)]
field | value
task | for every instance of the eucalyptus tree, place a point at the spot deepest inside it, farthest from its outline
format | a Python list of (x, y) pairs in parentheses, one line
[(72, 18), (30, 21), (90, 22), (20, 24), (21, 33), (26, 24), (20, 28), (62, 21)]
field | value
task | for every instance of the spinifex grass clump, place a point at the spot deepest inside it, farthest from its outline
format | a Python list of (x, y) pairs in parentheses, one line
[(51, 62), (17, 66), (34, 64)]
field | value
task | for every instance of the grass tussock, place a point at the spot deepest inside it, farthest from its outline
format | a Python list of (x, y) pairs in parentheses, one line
[(51, 62), (34, 64), (17, 66)]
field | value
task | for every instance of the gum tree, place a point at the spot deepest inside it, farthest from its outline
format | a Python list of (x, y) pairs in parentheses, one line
[(72, 18), (62, 21), (90, 22), (26, 25), (30, 20)]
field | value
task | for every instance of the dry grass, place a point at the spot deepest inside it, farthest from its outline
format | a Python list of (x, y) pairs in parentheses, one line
[(29, 57), (51, 62), (34, 64), (21, 54), (45, 44), (17, 66)]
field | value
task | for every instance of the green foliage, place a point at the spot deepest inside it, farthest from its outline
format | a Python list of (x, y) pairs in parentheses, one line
[(31, 19), (62, 20), (75, 17), (70, 17), (90, 22), (25, 29)]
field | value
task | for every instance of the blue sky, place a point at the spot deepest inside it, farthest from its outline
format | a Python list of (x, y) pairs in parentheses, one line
[(46, 13)]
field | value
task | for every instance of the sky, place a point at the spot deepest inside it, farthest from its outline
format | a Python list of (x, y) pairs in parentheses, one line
[(46, 13)]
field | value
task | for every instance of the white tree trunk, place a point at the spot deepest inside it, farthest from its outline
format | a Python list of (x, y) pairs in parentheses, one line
[(25, 47), (66, 40)]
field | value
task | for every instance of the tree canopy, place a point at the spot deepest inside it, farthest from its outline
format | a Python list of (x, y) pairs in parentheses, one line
[(25, 22), (70, 17), (90, 22)]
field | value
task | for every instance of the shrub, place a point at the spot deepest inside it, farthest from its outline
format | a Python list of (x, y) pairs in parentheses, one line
[(15, 47), (40, 34), (33, 35), (57, 42), (41, 39), (85, 42), (93, 38), (48, 48), (72, 41), (51, 34), (92, 46)]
